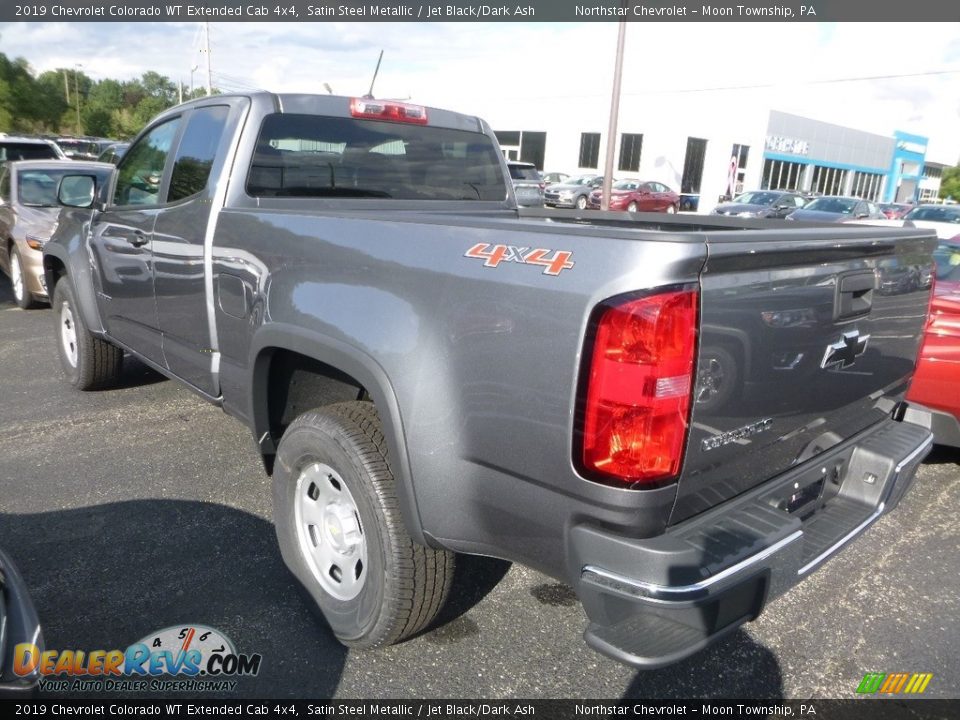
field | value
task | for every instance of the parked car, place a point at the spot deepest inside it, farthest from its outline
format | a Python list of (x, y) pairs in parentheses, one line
[(19, 625), (639, 196), (79, 148), (566, 430), (28, 148), (895, 211), (113, 153), (942, 219), (28, 216), (527, 185), (762, 203), (836, 208), (573, 192), (555, 178)]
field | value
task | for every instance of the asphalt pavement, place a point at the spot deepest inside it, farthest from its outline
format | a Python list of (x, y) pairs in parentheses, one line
[(142, 507)]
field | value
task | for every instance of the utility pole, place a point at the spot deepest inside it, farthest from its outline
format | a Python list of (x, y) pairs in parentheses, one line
[(614, 112), (179, 91), (206, 43), (76, 92), (192, 70), (66, 87)]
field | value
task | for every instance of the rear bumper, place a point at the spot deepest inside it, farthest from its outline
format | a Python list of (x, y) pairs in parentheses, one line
[(654, 601), (944, 425)]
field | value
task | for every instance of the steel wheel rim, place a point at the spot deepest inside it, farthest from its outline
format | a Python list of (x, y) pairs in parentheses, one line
[(709, 380), (329, 531), (68, 334), (16, 277)]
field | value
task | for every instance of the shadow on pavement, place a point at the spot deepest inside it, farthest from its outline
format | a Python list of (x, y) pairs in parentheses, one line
[(747, 670), (105, 577)]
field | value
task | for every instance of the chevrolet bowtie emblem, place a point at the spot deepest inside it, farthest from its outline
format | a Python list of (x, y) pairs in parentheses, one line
[(843, 353)]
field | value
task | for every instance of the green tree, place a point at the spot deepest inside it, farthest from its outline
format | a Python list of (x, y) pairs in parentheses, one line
[(950, 183)]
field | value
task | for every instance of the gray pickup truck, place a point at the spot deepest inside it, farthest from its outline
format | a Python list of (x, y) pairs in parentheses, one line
[(679, 417)]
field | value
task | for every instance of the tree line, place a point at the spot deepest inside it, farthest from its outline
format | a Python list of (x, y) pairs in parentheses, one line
[(66, 101)]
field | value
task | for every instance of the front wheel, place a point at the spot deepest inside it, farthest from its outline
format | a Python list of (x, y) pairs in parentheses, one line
[(88, 362), (632, 207), (341, 533), (671, 209), (18, 283), (582, 202)]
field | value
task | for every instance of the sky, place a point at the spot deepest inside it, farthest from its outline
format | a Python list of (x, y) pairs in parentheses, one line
[(876, 77)]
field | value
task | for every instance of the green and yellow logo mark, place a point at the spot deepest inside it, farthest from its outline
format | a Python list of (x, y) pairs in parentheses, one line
[(893, 683)]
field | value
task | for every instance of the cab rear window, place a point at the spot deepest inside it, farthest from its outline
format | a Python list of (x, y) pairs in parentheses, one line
[(327, 157)]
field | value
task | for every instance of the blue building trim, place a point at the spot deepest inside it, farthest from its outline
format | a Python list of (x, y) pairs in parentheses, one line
[(908, 150)]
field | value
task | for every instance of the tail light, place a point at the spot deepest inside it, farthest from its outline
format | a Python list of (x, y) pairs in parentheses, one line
[(636, 404), (388, 110)]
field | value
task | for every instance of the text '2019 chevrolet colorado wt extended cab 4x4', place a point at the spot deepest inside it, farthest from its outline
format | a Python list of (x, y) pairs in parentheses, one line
[(680, 417)]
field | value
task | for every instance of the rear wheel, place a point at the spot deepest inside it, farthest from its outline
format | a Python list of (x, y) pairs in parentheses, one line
[(632, 207), (341, 533), (18, 283), (671, 209), (88, 362)]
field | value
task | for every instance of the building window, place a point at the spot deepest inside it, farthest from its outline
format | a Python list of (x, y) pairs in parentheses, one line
[(782, 175), (738, 157), (867, 185), (693, 165), (630, 146), (589, 150), (533, 146), (525, 146), (828, 180)]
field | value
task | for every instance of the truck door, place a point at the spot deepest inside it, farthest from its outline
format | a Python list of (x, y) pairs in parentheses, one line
[(178, 248), (122, 239)]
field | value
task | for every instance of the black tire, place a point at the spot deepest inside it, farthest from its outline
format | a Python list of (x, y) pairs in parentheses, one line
[(581, 202), (24, 300), (718, 378), (90, 363), (406, 584)]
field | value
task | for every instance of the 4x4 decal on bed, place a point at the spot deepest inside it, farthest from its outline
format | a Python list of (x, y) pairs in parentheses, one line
[(496, 254)]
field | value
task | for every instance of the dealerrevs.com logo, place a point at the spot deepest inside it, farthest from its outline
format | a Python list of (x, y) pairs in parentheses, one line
[(193, 658)]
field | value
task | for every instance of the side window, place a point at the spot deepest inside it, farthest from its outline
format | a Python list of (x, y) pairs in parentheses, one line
[(141, 169), (191, 168)]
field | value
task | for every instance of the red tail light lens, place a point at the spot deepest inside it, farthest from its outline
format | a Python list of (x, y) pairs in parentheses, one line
[(387, 110), (639, 387)]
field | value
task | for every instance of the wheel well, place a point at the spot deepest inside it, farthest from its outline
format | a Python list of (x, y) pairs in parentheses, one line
[(297, 383), (53, 270)]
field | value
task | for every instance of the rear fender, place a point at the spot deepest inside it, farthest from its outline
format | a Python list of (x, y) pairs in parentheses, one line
[(355, 363)]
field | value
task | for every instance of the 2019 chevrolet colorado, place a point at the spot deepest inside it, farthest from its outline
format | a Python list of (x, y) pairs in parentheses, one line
[(680, 417)]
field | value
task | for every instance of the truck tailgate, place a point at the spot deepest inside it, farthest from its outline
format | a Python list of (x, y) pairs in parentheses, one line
[(804, 342)]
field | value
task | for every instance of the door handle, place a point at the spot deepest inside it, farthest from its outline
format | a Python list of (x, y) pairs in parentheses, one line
[(138, 239), (854, 294)]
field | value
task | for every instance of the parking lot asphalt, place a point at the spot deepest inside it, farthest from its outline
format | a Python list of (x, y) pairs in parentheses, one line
[(142, 507)]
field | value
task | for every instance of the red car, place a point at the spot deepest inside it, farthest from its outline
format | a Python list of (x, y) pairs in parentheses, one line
[(895, 211), (936, 383), (639, 196)]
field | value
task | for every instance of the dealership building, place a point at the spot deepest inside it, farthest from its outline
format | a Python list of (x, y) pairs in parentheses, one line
[(707, 155)]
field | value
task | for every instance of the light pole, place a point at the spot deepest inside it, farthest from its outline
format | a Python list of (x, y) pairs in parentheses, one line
[(76, 92), (192, 70), (614, 112)]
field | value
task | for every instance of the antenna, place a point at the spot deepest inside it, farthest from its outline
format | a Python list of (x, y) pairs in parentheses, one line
[(369, 95)]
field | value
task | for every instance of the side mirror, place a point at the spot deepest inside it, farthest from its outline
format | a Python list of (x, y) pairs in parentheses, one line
[(77, 191), (861, 216)]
